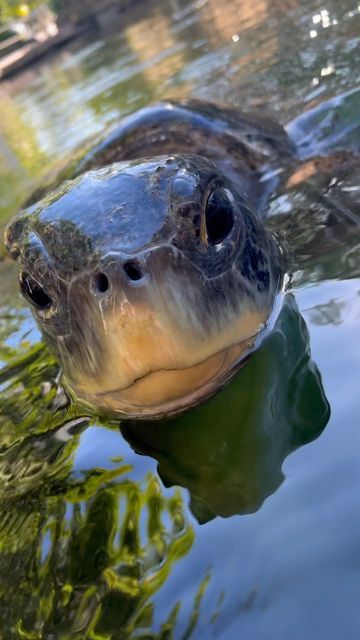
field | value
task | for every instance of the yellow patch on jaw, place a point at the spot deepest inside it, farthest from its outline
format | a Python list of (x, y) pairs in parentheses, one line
[(149, 360), (166, 386)]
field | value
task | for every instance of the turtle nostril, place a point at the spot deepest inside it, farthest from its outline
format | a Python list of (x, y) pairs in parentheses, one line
[(100, 282), (133, 271)]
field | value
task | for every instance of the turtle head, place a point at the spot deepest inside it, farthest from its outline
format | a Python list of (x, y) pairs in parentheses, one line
[(148, 279)]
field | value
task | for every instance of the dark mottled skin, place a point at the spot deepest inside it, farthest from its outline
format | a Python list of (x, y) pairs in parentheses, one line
[(242, 145)]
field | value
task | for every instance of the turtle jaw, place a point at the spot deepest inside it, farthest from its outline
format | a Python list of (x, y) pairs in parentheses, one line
[(155, 364), (166, 393)]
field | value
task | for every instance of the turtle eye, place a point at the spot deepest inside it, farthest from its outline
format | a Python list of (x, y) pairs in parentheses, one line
[(32, 291), (219, 216)]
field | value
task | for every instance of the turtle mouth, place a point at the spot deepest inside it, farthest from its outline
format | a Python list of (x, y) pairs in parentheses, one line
[(167, 392), (157, 356)]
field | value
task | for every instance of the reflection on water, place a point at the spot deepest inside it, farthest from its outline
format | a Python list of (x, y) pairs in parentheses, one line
[(75, 546), (231, 460), (94, 541), (85, 550), (69, 567)]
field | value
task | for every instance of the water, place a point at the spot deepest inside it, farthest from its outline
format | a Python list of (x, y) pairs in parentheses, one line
[(242, 518)]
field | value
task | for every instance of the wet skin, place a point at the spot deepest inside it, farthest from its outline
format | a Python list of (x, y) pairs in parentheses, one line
[(151, 278)]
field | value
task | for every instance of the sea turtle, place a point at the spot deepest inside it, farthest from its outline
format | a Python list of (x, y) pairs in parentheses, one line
[(151, 272)]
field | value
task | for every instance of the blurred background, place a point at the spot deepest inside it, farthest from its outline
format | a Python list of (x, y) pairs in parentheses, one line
[(71, 69)]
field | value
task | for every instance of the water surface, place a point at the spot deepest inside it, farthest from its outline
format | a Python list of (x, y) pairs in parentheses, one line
[(241, 518)]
